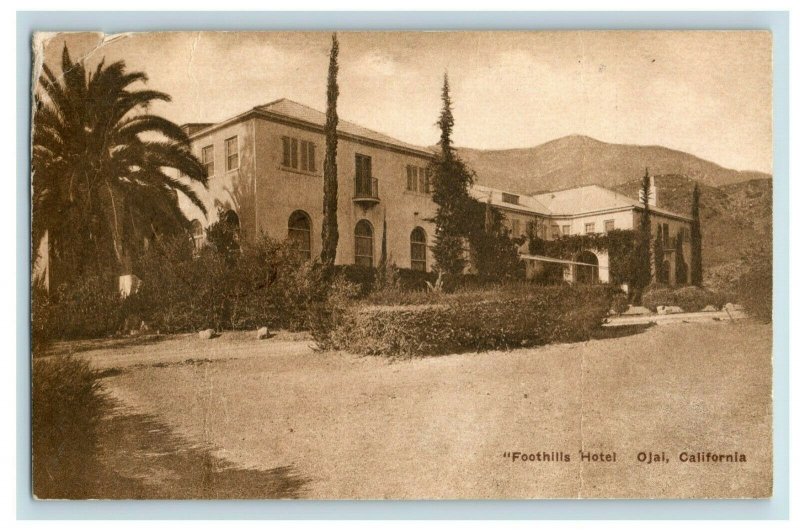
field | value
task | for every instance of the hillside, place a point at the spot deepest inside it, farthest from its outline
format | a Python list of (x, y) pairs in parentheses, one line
[(579, 160), (736, 220)]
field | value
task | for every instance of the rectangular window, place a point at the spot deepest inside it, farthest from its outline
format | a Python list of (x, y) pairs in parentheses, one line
[(417, 179), (589, 227), (608, 225), (565, 230), (411, 178), (427, 181), (207, 157), (515, 228), (287, 151), (299, 154), (510, 198), (686, 234), (554, 231), (312, 157), (232, 153)]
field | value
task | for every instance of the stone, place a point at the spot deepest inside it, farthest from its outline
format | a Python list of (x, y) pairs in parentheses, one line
[(667, 310), (262, 333), (731, 307), (637, 310), (208, 333), (710, 308)]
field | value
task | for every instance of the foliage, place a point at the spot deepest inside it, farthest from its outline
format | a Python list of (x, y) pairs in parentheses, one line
[(98, 160), (267, 284), (621, 246), (697, 239), (87, 307), (473, 320), (642, 272), (451, 179), (223, 236), (67, 404), (662, 274), (681, 271), (494, 253), (753, 289), (330, 227), (689, 298)]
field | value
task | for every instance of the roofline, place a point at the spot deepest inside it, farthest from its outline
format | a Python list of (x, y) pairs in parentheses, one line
[(661, 212), (257, 112)]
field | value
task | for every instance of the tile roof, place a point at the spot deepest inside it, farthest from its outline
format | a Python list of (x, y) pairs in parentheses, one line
[(298, 111), (486, 194), (591, 198)]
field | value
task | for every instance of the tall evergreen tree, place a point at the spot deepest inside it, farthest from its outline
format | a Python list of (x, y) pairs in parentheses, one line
[(644, 256), (680, 263), (330, 226), (451, 181), (697, 239), (658, 257)]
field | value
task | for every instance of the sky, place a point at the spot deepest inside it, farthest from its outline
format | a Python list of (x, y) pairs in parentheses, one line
[(703, 92)]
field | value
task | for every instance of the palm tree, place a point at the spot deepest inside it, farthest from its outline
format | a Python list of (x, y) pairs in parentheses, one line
[(98, 161)]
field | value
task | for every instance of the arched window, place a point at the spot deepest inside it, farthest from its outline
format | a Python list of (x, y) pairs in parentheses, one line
[(198, 234), (300, 233), (418, 249), (363, 235)]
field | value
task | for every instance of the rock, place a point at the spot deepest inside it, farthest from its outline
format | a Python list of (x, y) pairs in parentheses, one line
[(667, 310), (710, 308), (262, 333), (208, 333), (731, 307), (637, 310)]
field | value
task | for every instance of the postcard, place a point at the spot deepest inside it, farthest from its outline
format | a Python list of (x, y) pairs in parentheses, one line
[(401, 265)]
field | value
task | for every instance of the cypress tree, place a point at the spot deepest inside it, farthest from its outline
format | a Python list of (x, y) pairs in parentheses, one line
[(697, 239), (658, 256), (644, 256), (680, 264), (451, 181), (330, 227)]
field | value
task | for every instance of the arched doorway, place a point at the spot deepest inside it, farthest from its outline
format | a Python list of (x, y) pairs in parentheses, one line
[(587, 270)]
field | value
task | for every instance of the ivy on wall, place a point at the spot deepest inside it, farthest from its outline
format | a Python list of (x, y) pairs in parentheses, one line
[(619, 244)]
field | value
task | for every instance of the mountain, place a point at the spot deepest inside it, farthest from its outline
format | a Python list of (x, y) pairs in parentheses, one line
[(579, 160)]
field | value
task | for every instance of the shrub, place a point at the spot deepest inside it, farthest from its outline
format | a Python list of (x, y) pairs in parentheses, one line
[(67, 404), (689, 298), (266, 284), (88, 307), (473, 320), (754, 288)]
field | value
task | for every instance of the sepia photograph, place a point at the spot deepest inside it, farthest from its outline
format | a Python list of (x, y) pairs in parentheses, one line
[(401, 265)]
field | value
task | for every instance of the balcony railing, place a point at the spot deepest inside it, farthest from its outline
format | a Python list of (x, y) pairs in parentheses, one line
[(366, 190)]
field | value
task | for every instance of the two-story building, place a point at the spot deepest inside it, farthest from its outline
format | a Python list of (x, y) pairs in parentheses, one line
[(265, 169)]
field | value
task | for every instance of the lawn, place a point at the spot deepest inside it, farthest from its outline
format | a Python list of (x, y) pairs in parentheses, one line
[(236, 417)]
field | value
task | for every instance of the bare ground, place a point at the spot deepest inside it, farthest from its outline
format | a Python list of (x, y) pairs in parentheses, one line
[(235, 417)]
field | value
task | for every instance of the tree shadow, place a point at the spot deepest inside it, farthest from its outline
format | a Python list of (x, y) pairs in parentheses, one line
[(139, 457), (613, 332)]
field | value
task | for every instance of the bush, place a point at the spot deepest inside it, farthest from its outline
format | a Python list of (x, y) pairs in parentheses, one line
[(67, 404), (754, 288), (689, 298), (267, 284), (473, 321), (88, 307)]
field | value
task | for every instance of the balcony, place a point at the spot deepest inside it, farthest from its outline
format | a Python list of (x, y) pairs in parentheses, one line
[(366, 191)]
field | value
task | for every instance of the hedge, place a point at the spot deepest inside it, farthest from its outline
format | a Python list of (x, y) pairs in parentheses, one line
[(481, 320), (689, 298)]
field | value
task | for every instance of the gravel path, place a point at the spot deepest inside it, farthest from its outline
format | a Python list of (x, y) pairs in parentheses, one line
[(439, 427)]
